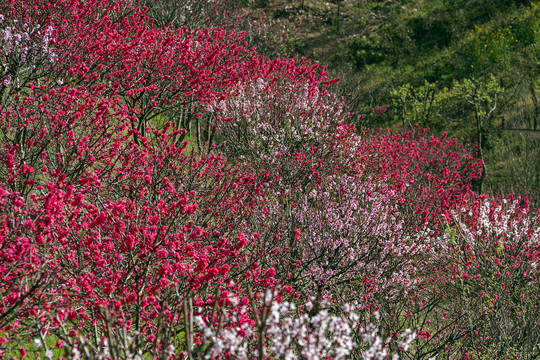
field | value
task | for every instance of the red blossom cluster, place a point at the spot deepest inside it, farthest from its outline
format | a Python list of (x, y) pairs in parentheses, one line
[(167, 192)]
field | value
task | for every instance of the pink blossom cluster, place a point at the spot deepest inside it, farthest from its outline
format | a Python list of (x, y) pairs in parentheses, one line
[(20, 45)]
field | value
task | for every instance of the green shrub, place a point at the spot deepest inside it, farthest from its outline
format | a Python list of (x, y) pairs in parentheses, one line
[(366, 51)]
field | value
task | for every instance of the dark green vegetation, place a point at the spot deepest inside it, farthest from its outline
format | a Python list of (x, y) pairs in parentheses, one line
[(467, 67)]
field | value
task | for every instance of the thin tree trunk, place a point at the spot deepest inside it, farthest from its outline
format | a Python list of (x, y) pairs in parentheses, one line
[(536, 105)]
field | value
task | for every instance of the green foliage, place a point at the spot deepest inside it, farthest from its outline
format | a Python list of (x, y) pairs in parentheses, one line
[(366, 51), (416, 105), (452, 235), (428, 32), (471, 101), (493, 47), (35, 353), (497, 46), (482, 96), (527, 28)]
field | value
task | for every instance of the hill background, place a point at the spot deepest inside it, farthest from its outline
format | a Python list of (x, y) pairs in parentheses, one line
[(466, 67)]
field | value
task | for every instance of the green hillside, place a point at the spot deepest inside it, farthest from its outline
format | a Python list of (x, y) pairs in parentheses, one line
[(467, 67)]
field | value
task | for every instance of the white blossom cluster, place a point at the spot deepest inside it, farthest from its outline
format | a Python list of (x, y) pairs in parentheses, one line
[(290, 334)]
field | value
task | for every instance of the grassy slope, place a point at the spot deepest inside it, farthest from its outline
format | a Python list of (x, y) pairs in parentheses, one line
[(383, 45)]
